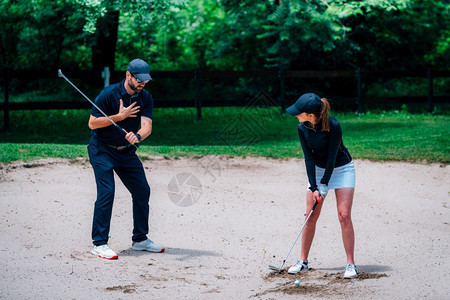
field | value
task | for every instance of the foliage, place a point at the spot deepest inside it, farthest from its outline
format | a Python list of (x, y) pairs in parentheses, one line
[(37, 34), (46, 34), (396, 135), (407, 35), (230, 34), (242, 35)]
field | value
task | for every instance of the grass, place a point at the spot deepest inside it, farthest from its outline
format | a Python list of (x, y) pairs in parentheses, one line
[(394, 135)]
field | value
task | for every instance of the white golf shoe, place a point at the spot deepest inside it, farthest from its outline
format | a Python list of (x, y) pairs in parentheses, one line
[(299, 266), (350, 271), (104, 251), (147, 245)]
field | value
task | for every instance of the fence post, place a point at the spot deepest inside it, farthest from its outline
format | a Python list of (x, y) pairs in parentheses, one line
[(6, 100), (430, 90), (282, 76), (198, 94), (359, 100), (106, 75)]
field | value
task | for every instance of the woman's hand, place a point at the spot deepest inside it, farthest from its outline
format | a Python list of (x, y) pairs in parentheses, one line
[(323, 190), (317, 197)]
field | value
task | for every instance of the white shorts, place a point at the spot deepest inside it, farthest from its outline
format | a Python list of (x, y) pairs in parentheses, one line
[(342, 177)]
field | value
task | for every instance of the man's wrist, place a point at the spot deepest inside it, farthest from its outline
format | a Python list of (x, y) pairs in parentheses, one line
[(139, 137)]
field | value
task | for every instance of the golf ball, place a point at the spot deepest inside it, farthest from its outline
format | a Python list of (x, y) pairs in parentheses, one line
[(297, 282)]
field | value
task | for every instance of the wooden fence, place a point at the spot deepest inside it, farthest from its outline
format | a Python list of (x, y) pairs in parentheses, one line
[(200, 77)]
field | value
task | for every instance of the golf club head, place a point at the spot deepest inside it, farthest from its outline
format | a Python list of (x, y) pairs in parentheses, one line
[(60, 74), (274, 268)]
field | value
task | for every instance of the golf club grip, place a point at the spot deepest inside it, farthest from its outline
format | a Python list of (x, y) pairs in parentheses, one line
[(314, 206)]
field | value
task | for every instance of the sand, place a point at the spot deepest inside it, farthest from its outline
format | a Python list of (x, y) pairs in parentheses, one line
[(221, 230)]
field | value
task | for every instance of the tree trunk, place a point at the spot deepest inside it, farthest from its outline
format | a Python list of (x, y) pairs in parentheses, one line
[(104, 50)]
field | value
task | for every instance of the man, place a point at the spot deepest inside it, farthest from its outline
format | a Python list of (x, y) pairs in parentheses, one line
[(110, 150)]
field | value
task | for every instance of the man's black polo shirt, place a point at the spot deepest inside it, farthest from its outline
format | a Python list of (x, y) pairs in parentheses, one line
[(108, 102)]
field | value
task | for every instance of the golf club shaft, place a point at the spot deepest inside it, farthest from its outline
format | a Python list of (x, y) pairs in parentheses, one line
[(60, 74), (298, 235)]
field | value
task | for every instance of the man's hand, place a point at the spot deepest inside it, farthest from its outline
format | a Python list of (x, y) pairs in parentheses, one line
[(128, 112), (131, 137)]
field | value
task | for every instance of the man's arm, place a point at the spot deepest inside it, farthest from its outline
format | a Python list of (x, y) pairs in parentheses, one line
[(144, 132), (146, 127), (124, 112)]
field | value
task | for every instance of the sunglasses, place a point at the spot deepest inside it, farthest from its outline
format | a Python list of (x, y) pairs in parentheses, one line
[(139, 81)]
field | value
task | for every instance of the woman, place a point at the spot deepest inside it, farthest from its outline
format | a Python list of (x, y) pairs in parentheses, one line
[(329, 166)]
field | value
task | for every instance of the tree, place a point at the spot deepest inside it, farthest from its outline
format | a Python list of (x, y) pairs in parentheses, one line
[(48, 33), (226, 34), (105, 41)]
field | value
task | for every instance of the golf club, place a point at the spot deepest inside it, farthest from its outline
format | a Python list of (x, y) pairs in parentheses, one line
[(60, 74), (298, 235)]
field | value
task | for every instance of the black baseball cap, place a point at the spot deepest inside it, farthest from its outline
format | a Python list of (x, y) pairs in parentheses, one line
[(139, 68), (308, 103)]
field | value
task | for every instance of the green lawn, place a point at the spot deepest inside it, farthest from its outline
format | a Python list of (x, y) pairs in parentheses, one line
[(232, 131)]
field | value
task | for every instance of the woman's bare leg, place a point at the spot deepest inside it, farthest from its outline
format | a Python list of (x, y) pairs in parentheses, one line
[(344, 202), (310, 227)]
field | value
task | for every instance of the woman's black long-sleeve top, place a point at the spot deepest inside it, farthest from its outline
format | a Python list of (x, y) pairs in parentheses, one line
[(322, 148)]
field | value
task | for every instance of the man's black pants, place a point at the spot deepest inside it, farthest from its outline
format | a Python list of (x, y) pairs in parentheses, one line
[(105, 161)]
